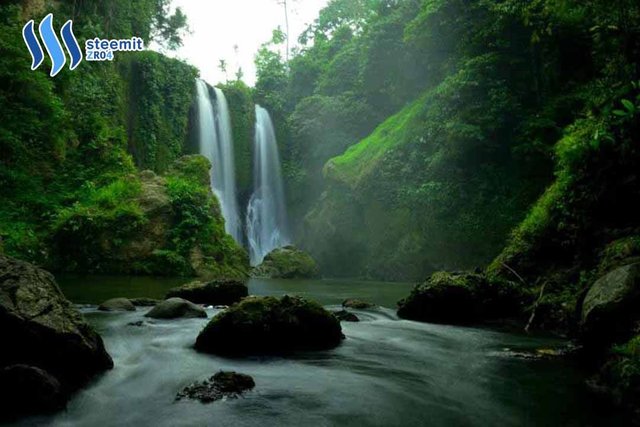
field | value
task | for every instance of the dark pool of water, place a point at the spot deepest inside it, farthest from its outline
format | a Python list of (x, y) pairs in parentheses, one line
[(388, 372)]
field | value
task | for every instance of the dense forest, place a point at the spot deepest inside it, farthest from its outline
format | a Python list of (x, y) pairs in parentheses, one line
[(489, 149)]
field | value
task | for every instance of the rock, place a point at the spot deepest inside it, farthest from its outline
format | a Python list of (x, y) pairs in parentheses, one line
[(463, 298), (258, 325), (41, 329), (217, 292), (144, 302), (609, 309), (287, 263), (175, 308), (27, 390), (222, 384), (345, 316), (357, 304), (137, 324), (117, 304)]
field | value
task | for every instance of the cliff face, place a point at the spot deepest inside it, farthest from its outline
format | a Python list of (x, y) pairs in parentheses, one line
[(150, 224)]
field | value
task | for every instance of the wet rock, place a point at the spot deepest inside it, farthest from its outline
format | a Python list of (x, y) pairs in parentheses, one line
[(117, 304), (221, 385), (357, 304), (175, 308), (609, 309), (26, 390), (288, 262), (463, 298), (216, 292), (345, 316), (144, 302), (138, 324), (259, 325), (40, 328)]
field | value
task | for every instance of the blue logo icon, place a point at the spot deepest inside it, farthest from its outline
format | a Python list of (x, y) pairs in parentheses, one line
[(52, 44)]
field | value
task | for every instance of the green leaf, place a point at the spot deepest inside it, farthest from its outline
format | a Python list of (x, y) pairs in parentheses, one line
[(629, 105), (620, 113)]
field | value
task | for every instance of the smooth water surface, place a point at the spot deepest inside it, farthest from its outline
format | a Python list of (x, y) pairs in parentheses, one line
[(387, 372)]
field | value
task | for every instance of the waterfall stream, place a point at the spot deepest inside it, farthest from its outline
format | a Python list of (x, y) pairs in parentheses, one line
[(216, 144), (267, 227)]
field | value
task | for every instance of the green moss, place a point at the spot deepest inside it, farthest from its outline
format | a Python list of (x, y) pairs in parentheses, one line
[(363, 157), (287, 263)]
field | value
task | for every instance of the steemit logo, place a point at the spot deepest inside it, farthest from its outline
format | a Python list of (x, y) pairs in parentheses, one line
[(52, 44)]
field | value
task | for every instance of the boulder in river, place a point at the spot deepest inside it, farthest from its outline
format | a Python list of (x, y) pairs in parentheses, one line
[(216, 292), (462, 298), (117, 304), (288, 262), (609, 309), (175, 308), (26, 390), (222, 384), (259, 325), (357, 304), (346, 316), (41, 329)]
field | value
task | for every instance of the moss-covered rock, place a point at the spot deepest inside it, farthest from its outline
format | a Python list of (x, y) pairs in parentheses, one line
[(260, 325), (117, 304), (221, 385), (462, 298), (609, 310), (40, 328), (287, 263), (176, 308), (150, 224), (216, 292)]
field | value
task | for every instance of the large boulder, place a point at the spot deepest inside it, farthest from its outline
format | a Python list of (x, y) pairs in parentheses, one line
[(40, 328), (610, 307), (462, 298), (26, 390), (260, 325), (117, 304), (217, 292), (287, 263), (175, 308)]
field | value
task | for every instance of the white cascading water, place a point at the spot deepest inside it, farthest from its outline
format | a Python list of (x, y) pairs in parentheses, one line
[(216, 144), (267, 227)]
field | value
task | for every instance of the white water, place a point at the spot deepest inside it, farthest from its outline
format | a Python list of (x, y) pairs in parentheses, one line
[(216, 144), (267, 227)]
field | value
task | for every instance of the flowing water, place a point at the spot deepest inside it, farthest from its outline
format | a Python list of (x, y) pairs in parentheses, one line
[(267, 227), (387, 372), (216, 144)]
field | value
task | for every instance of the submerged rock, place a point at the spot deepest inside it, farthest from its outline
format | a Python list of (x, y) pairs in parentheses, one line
[(270, 325), (357, 304), (287, 263), (609, 309), (346, 316), (222, 384), (117, 304), (39, 328), (26, 390), (175, 308), (216, 292), (462, 298)]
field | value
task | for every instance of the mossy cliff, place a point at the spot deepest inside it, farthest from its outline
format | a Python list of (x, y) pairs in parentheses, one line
[(145, 223)]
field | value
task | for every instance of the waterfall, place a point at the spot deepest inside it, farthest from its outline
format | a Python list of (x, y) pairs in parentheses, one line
[(216, 144), (266, 215)]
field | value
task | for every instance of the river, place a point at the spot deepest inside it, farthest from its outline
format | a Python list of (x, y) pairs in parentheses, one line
[(387, 372)]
